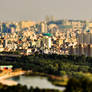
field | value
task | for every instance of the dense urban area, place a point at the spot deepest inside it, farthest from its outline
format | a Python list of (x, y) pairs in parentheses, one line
[(70, 37), (60, 50)]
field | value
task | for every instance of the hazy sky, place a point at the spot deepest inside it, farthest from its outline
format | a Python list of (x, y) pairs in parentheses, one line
[(38, 9)]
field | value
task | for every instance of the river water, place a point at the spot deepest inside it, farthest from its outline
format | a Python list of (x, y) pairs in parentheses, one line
[(36, 81)]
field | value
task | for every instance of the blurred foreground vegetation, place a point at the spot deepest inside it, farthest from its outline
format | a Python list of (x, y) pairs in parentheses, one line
[(20, 88), (82, 84)]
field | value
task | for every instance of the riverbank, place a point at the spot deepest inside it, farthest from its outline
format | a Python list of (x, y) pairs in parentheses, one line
[(4, 77), (8, 82), (55, 80)]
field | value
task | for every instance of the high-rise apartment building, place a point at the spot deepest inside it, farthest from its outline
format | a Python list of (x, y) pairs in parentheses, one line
[(44, 27)]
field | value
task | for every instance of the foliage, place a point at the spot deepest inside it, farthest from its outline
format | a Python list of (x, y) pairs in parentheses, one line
[(50, 63), (82, 84), (20, 88)]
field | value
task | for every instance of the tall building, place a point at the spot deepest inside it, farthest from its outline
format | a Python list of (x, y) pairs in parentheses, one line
[(71, 50), (81, 49), (49, 42), (91, 35), (84, 38), (46, 42), (44, 27), (5, 43), (80, 38), (91, 50)]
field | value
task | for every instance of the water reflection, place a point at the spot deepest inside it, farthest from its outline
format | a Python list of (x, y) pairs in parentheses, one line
[(36, 81), (16, 78)]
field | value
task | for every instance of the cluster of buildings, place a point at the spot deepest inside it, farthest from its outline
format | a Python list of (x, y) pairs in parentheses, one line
[(55, 36)]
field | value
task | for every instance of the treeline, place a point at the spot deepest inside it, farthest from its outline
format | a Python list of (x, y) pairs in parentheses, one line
[(50, 63), (83, 84), (20, 88)]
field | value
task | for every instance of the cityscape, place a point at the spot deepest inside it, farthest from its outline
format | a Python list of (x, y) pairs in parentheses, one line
[(45, 46), (64, 37)]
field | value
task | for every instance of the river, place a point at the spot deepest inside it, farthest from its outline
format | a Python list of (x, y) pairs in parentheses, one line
[(36, 81)]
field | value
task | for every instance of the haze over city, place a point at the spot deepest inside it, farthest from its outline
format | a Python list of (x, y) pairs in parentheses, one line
[(45, 46), (36, 10)]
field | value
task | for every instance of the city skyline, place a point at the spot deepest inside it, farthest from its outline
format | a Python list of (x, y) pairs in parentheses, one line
[(37, 10)]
